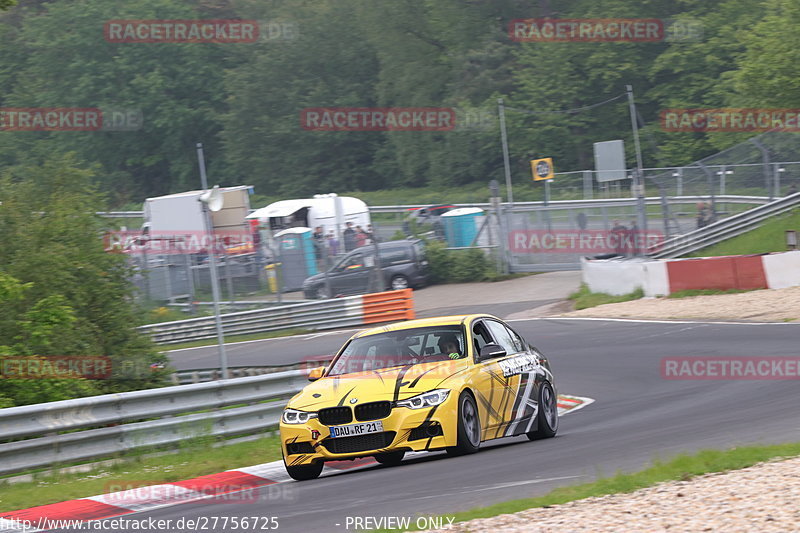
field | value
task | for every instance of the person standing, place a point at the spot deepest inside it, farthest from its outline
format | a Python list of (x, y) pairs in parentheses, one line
[(333, 244), (371, 238), (349, 237), (361, 237), (617, 237), (319, 245)]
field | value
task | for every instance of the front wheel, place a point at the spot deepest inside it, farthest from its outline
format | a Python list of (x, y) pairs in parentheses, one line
[(399, 283), (469, 427), (547, 416), (323, 293), (304, 472)]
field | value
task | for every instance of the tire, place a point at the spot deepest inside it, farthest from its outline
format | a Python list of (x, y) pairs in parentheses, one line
[(547, 415), (398, 283), (390, 458), (304, 472), (469, 427), (322, 293)]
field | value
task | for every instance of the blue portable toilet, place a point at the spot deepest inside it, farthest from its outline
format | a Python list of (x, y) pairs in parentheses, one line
[(461, 225), (296, 254)]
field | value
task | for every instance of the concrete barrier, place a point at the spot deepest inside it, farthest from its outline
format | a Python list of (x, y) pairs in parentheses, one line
[(659, 277)]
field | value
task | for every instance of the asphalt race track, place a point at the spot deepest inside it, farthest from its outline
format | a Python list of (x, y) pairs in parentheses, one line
[(637, 416)]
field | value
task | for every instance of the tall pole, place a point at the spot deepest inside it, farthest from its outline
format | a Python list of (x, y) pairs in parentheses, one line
[(638, 177), (212, 262), (507, 166)]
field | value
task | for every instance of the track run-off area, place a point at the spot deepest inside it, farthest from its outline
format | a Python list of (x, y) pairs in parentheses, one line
[(637, 416)]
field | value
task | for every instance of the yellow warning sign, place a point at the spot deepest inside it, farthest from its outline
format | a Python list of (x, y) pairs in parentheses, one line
[(542, 169)]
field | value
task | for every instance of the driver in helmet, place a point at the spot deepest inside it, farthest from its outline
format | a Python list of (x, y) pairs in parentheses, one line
[(449, 345)]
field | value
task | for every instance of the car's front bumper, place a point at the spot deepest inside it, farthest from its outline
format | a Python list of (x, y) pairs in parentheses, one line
[(430, 428)]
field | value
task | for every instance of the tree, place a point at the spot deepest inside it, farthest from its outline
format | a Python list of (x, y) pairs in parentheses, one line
[(64, 294), (64, 60)]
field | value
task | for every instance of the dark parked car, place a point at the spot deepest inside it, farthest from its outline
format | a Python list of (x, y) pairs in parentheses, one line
[(426, 215), (403, 265)]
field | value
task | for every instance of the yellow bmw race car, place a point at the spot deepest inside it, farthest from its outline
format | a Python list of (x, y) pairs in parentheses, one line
[(445, 383)]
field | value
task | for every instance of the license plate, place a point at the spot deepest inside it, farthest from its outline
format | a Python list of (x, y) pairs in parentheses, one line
[(352, 430)]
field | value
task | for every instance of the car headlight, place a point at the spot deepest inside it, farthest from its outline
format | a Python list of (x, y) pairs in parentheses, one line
[(426, 399), (293, 416)]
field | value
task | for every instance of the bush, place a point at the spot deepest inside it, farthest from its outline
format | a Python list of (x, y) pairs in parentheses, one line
[(457, 266)]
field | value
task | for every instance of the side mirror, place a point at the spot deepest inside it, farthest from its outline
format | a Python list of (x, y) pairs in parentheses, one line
[(491, 351), (316, 373)]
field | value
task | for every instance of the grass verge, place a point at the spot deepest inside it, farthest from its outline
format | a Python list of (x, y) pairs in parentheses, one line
[(706, 292), (679, 468), (236, 338), (584, 298), (770, 237), (139, 470)]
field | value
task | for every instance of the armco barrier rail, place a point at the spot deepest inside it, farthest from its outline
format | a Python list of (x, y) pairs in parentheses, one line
[(724, 229), (200, 375), (139, 419), (323, 314), (556, 204)]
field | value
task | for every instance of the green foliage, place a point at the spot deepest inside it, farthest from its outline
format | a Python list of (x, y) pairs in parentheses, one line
[(243, 101), (769, 237), (704, 292), (136, 469), (457, 266), (61, 293), (584, 298)]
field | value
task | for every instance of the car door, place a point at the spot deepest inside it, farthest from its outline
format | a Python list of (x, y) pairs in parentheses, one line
[(522, 368), (495, 392), (351, 275)]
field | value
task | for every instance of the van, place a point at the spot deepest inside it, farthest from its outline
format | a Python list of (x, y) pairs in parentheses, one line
[(403, 265)]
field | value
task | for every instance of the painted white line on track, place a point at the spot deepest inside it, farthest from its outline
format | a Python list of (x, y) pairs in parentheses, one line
[(496, 486), (644, 320)]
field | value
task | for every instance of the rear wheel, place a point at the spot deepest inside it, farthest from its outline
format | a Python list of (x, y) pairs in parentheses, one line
[(547, 417), (469, 427), (390, 458), (304, 472)]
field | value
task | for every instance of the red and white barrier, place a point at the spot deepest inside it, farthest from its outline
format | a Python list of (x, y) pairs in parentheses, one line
[(662, 277)]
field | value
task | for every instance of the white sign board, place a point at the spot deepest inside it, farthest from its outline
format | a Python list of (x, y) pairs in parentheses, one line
[(609, 161)]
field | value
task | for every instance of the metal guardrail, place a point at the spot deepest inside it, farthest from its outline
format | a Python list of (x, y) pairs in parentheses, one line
[(323, 314), (152, 416), (202, 375), (556, 204), (724, 229)]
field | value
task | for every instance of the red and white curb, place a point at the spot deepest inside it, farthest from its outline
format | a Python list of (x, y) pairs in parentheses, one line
[(568, 404), (226, 487)]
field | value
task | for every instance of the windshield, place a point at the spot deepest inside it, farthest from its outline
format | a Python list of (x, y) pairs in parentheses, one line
[(399, 348)]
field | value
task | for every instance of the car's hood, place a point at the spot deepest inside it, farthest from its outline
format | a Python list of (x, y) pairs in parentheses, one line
[(394, 383), (314, 278)]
